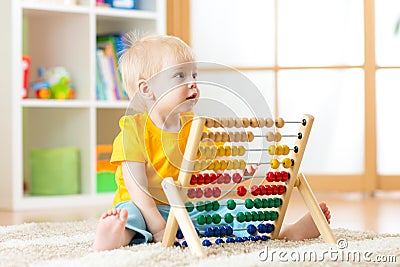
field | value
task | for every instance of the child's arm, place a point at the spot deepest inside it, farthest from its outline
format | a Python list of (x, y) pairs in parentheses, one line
[(137, 184)]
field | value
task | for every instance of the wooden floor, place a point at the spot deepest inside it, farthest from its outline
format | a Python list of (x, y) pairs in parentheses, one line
[(354, 211)]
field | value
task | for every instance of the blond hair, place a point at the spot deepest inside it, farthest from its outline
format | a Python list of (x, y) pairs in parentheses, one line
[(143, 58)]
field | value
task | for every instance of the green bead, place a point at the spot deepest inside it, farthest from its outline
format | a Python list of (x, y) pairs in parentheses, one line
[(271, 203), (201, 219), (258, 203), (228, 218), (208, 205), (216, 218), (189, 206), (248, 216), (240, 216), (278, 202), (264, 203), (254, 216), (208, 219), (267, 215), (200, 206), (261, 215), (248, 203), (274, 215), (231, 204), (215, 205)]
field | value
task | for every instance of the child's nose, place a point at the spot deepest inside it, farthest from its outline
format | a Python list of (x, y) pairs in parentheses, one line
[(192, 84)]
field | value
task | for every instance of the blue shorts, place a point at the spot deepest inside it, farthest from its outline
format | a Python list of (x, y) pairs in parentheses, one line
[(137, 223)]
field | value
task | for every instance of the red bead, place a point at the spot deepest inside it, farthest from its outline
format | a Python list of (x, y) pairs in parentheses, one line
[(270, 177), (227, 178), (208, 192), (236, 177), (220, 179), (200, 179), (199, 192), (213, 178), (216, 192), (282, 189), (263, 190), (269, 189), (275, 190), (285, 176), (207, 178), (255, 190), (191, 193), (241, 190), (278, 176), (193, 179)]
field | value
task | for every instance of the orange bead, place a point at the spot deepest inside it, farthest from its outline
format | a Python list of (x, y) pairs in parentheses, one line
[(245, 122), (231, 122), (243, 137), (238, 123), (279, 122), (278, 137), (269, 122), (225, 137), (218, 137), (270, 136), (209, 123), (254, 122), (250, 136), (261, 122)]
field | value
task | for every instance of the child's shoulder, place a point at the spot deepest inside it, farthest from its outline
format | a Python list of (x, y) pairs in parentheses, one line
[(133, 121)]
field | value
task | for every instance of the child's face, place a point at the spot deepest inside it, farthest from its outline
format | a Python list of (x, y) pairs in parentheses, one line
[(175, 87)]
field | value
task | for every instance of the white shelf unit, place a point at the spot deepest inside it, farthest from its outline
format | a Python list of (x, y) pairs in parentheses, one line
[(56, 35)]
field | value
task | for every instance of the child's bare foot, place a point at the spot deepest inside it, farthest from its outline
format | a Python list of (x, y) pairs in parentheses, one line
[(305, 227), (110, 232)]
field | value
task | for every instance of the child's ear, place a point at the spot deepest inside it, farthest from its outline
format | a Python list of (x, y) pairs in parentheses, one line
[(145, 90)]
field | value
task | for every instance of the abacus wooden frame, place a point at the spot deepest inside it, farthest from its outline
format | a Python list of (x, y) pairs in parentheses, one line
[(179, 215)]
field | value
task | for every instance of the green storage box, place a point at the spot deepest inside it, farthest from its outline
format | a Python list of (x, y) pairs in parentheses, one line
[(55, 171), (106, 182)]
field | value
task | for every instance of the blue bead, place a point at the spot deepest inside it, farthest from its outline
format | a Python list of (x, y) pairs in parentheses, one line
[(238, 239), (229, 230), (230, 240), (258, 238), (209, 232), (270, 228), (223, 231), (245, 238), (179, 234), (261, 228), (184, 244), (177, 244), (219, 241), (251, 229), (264, 238), (206, 243), (253, 238)]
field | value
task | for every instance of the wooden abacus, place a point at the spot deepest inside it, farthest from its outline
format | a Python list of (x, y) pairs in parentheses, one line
[(272, 192)]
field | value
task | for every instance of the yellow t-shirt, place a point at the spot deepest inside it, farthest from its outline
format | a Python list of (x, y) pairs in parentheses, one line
[(140, 140)]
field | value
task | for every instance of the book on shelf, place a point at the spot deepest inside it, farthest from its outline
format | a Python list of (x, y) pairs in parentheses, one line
[(108, 78)]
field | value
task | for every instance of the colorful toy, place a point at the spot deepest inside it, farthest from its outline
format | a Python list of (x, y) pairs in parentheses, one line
[(211, 177), (105, 181), (54, 83)]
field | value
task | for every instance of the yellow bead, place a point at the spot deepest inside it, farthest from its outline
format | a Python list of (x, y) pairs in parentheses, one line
[(236, 164), (274, 163), (229, 165), (228, 151), (278, 150), (241, 150), (220, 151), (242, 165), (213, 152), (234, 151), (286, 150), (204, 164), (271, 150), (223, 164), (210, 165), (287, 163), (217, 165)]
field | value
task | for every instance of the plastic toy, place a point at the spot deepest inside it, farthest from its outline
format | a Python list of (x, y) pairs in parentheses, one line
[(54, 83)]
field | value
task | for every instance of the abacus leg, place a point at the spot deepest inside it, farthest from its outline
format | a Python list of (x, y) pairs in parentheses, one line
[(315, 210), (184, 221)]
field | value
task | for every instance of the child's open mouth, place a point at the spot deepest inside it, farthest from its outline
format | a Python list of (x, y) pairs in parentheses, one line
[(193, 96)]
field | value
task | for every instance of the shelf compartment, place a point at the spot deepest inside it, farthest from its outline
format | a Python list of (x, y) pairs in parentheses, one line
[(37, 8), (50, 128), (54, 103), (50, 39), (124, 13)]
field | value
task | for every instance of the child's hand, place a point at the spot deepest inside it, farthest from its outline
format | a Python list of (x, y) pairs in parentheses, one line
[(157, 237), (250, 170)]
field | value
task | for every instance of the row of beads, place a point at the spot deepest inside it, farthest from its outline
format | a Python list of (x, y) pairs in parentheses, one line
[(255, 190), (258, 203), (240, 217), (219, 241), (226, 178), (240, 136), (210, 152), (236, 164), (243, 122)]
